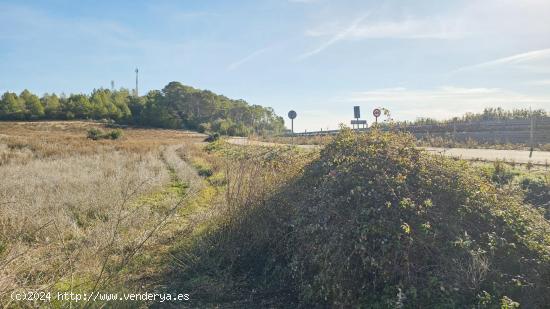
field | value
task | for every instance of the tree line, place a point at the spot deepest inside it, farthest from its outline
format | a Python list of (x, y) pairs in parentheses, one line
[(176, 106), (488, 114)]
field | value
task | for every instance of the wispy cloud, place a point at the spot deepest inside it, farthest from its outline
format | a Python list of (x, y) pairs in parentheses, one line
[(519, 59), (335, 38), (408, 28), (446, 102), (238, 63)]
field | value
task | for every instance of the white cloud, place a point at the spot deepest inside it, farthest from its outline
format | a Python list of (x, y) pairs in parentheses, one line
[(245, 59), (446, 102), (340, 35), (487, 20), (397, 29), (518, 60)]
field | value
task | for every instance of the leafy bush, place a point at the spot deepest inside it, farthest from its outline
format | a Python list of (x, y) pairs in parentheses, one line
[(212, 138), (115, 134), (96, 134), (537, 193), (376, 222), (501, 174), (204, 127), (381, 223), (203, 168)]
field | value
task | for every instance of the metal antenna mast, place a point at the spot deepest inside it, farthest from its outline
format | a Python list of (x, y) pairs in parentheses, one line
[(137, 93)]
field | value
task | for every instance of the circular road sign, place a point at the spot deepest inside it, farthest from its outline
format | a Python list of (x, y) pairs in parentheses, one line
[(376, 112), (292, 114)]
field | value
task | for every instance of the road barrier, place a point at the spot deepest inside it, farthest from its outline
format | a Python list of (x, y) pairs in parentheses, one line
[(497, 131)]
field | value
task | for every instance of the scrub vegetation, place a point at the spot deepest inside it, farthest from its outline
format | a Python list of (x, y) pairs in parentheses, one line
[(369, 221)]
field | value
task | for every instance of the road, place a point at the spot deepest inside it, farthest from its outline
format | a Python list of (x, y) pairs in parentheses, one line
[(517, 156)]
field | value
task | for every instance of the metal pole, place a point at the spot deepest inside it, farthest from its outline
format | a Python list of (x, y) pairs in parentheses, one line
[(531, 135)]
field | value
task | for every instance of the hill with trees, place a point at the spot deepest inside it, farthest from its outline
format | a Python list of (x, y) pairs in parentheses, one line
[(175, 106)]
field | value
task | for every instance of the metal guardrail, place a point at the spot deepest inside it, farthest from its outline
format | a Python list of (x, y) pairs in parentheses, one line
[(509, 130)]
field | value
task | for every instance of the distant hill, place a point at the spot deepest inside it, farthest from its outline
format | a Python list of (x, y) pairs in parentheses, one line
[(175, 106)]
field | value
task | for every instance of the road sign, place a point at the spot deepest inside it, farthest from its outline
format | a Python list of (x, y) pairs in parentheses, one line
[(292, 114), (356, 112), (359, 122), (376, 112)]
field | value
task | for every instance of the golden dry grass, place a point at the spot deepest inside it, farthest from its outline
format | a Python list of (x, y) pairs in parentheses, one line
[(20, 141), (74, 213)]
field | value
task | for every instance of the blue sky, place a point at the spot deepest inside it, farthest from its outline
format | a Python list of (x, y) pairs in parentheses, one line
[(422, 58)]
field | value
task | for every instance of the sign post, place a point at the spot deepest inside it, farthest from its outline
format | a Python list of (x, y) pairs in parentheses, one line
[(356, 115), (376, 113), (357, 122), (292, 114)]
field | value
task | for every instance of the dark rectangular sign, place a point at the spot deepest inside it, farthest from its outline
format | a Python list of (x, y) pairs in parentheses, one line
[(356, 112)]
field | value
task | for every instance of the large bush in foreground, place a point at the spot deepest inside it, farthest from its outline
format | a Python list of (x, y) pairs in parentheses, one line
[(372, 222), (380, 223)]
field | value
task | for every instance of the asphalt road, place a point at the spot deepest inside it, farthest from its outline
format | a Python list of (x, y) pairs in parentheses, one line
[(517, 156)]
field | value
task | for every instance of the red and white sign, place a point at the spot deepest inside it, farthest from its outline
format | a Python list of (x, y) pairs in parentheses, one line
[(376, 112)]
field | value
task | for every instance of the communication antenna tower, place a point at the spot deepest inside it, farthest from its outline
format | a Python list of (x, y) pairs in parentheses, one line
[(137, 92)]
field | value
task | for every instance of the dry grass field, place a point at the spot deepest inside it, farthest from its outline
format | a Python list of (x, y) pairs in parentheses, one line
[(78, 214)]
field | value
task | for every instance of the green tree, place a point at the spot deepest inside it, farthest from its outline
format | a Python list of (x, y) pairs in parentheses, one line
[(52, 105), (33, 106), (97, 102), (78, 106), (121, 99), (176, 106), (11, 107)]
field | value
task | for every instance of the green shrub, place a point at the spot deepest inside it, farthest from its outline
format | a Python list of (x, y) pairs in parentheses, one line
[(212, 137), (95, 134), (203, 168), (204, 127), (376, 222), (537, 193), (217, 179), (381, 223), (115, 134), (502, 174)]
